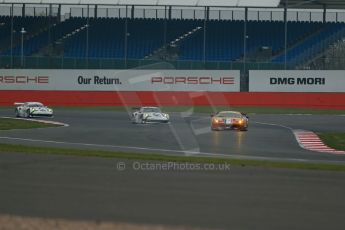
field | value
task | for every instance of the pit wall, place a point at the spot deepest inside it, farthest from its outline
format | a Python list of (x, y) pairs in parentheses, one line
[(290, 89)]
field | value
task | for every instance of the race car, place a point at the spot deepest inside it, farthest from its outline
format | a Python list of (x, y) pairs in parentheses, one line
[(149, 114), (229, 120), (32, 109)]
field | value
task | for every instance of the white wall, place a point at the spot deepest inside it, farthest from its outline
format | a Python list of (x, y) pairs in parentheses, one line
[(123, 80), (296, 81)]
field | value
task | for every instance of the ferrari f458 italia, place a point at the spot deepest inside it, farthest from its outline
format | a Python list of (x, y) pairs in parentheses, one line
[(229, 120)]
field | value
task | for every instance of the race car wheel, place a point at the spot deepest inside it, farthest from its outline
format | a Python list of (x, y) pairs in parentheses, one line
[(244, 129), (16, 112), (137, 120), (27, 113), (133, 119), (141, 119), (215, 129)]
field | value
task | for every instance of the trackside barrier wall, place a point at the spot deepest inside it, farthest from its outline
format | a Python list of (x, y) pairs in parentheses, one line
[(159, 87), (117, 87), (121, 80), (297, 81), (314, 89)]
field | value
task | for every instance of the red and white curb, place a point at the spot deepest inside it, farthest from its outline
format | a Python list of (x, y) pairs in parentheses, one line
[(310, 141), (40, 121)]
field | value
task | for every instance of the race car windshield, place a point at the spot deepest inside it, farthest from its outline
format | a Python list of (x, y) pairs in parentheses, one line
[(35, 105), (151, 110), (229, 114)]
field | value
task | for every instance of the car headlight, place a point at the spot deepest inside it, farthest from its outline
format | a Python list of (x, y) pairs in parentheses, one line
[(145, 115), (218, 120), (166, 115)]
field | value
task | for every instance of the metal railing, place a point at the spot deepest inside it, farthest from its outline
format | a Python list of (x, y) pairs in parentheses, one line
[(36, 62)]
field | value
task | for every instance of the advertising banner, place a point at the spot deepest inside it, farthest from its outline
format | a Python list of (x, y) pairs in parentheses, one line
[(296, 81), (120, 80)]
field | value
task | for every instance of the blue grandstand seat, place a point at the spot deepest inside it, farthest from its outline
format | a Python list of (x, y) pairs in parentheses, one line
[(224, 39)]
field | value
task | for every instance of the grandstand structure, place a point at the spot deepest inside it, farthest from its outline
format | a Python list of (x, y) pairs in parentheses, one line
[(186, 34)]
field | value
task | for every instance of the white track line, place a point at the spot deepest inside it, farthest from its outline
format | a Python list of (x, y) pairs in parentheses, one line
[(169, 151), (306, 141), (37, 120), (310, 141)]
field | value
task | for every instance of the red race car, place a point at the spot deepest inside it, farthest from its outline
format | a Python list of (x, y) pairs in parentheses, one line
[(229, 120)]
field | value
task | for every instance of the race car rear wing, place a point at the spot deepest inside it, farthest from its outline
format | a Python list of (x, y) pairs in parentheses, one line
[(18, 103)]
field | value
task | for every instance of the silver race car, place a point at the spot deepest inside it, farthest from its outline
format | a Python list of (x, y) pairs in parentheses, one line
[(32, 109), (149, 114)]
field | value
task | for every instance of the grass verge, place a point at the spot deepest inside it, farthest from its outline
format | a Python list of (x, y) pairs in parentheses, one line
[(334, 140), (9, 123), (169, 158)]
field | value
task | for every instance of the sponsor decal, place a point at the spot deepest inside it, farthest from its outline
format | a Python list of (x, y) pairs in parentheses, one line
[(194, 80), (96, 80), (297, 81), (24, 80), (121, 80)]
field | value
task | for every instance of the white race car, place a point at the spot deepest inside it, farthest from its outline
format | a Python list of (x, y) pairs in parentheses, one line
[(32, 109), (149, 114)]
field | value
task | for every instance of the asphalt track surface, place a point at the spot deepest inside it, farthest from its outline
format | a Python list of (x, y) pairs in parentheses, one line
[(90, 188), (76, 188), (269, 136)]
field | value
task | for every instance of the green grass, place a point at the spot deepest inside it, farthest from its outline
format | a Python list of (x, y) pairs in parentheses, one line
[(8, 123), (169, 158), (334, 140)]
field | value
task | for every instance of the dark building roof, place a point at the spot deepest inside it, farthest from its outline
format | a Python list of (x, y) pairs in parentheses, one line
[(314, 4)]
